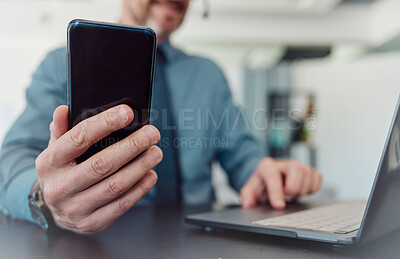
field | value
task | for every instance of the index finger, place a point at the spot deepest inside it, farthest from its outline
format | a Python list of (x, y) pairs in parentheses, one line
[(251, 191), (274, 185), (77, 140)]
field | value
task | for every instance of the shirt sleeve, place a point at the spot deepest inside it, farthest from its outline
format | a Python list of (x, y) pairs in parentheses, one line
[(29, 135), (241, 152)]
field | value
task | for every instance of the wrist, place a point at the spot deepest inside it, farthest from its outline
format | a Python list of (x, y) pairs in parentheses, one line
[(39, 210)]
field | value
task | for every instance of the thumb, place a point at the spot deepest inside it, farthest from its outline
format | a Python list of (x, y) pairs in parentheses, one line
[(59, 125), (251, 191)]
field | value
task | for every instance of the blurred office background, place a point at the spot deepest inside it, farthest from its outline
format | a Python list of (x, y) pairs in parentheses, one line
[(328, 70)]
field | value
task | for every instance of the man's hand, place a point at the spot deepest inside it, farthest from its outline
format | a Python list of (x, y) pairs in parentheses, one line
[(278, 181), (88, 197)]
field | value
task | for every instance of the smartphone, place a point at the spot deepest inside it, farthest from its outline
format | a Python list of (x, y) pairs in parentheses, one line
[(109, 65)]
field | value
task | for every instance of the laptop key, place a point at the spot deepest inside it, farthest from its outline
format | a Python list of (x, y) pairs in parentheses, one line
[(329, 228), (335, 218)]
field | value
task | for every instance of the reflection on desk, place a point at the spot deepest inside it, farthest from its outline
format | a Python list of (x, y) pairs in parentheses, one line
[(160, 232)]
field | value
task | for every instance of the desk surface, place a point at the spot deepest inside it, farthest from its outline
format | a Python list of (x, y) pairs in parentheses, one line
[(162, 233)]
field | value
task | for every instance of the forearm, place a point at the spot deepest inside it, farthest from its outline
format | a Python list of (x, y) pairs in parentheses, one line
[(17, 172), (30, 135), (18, 175)]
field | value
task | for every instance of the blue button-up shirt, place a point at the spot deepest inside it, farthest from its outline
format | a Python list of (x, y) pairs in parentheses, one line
[(210, 127)]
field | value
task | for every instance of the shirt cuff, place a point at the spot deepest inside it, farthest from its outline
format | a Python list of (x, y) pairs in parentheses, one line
[(16, 202)]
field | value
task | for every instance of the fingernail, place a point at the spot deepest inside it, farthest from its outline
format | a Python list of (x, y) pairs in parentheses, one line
[(123, 114), (152, 133)]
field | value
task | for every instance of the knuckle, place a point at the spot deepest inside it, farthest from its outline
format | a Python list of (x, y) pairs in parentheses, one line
[(144, 164), (271, 173), (45, 161), (71, 212), (124, 205), (87, 226), (305, 190), (77, 135), (292, 186), (51, 158), (306, 173), (309, 170), (290, 189), (41, 163), (109, 120), (100, 167), (50, 195), (144, 188), (296, 164), (135, 145), (268, 161), (114, 186)]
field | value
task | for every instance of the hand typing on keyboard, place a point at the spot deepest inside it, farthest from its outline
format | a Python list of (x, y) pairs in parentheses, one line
[(278, 181)]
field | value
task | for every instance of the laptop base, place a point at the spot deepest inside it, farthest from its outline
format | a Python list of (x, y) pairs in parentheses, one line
[(242, 220)]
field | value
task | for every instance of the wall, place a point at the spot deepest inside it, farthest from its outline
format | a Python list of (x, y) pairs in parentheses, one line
[(25, 42), (28, 30), (19, 58), (348, 145), (355, 103)]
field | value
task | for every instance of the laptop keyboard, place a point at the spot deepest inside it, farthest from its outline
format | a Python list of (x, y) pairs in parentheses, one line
[(340, 218)]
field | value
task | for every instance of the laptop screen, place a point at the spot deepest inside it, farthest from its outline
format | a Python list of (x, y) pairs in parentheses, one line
[(383, 209)]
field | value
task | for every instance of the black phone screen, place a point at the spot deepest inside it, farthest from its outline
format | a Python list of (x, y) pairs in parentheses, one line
[(109, 65)]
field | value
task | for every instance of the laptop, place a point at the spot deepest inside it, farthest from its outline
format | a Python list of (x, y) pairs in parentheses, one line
[(341, 223)]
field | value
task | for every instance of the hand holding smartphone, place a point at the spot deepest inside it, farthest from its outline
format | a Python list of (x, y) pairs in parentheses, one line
[(109, 65), (109, 79)]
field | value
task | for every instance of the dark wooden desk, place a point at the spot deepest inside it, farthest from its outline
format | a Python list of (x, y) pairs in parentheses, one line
[(162, 233)]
